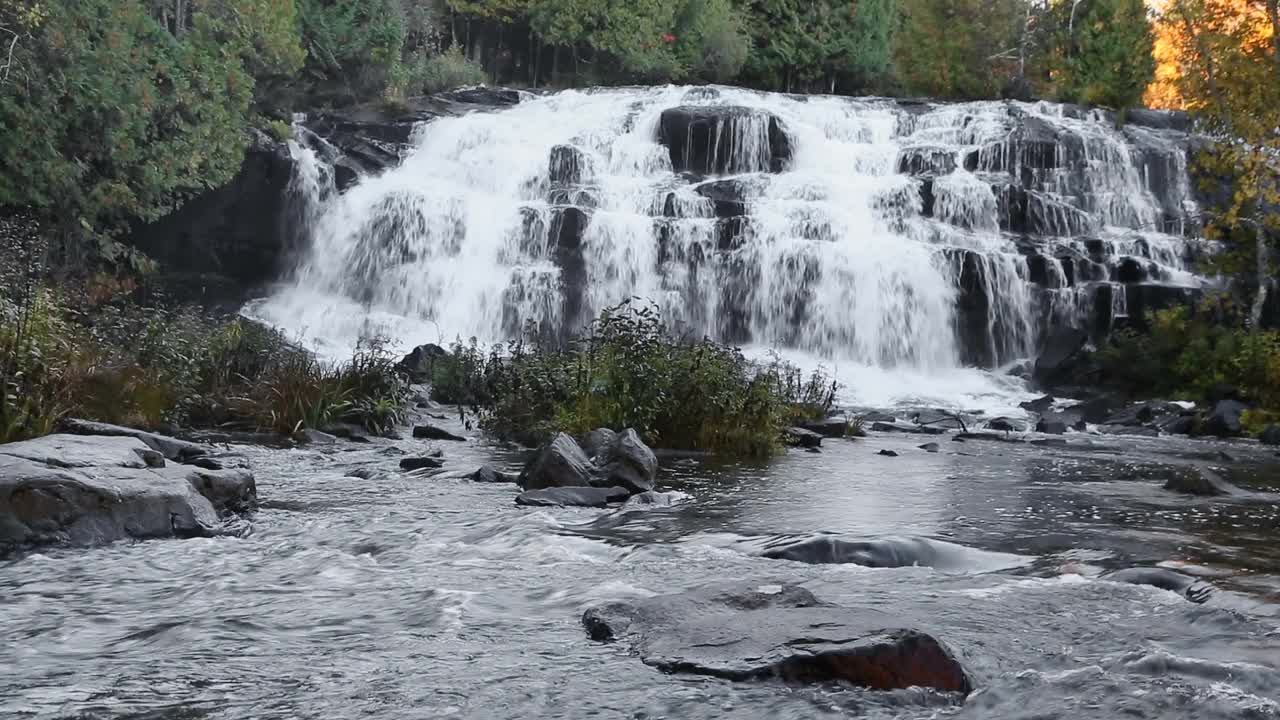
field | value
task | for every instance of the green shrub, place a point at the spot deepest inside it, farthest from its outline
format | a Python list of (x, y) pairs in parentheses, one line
[(627, 370), (1193, 352), (149, 367)]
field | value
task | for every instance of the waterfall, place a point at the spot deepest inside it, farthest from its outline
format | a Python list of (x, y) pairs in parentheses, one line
[(874, 236)]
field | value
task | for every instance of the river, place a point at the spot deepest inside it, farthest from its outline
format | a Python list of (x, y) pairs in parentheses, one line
[(408, 596)]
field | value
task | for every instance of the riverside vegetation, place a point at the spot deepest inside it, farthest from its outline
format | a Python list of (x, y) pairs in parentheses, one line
[(628, 370)]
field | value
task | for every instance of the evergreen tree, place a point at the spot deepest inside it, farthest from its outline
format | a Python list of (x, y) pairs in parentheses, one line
[(1109, 54), (959, 48), (106, 115)]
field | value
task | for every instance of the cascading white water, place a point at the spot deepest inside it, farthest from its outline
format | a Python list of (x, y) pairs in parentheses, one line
[(890, 235)]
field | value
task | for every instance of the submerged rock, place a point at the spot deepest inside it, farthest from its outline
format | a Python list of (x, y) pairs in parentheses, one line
[(487, 474), (431, 432), (888, 453), (930, 447), (87, 490), (560, 463), (800, 437), (655, 499), (1193, 589), (781, 632), (573, 497), (420, 463), (1199, 480), (881, 553)]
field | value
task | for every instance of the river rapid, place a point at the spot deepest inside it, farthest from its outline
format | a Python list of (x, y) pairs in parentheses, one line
[(410, 596)]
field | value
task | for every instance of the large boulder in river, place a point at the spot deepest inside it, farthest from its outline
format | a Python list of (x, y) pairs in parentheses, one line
[(597, 443), (419, 364), (1270, 436), (1225, 419), (724, 140), (778, 632), (629, 463), (87, 490), (559, 463)]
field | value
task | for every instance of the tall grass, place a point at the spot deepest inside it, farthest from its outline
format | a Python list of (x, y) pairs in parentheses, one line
[(157, 367), (628, 370)]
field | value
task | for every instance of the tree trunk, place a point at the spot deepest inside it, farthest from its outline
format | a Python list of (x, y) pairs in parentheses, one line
[(1260, 248), (555, 65), (535, 58), (1273, 12), (577, 67)]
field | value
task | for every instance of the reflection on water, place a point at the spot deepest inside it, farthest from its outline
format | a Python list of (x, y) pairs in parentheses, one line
[(410, 596)]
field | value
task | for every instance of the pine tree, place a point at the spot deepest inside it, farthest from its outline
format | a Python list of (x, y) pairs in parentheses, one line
[(1108, 60)]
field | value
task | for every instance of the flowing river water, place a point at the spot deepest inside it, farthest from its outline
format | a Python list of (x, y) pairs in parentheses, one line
[(408, 596)]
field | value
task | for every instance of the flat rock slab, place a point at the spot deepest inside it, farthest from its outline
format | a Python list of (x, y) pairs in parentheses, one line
[(778, 632), (86, 490), (170, 448), (573, 497)]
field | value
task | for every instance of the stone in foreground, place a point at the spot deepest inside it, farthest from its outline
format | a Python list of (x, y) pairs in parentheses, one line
[(777, 632), (629, 464), (87, 490), (799, 437), (488, 474), (573, 497), (560, 463)]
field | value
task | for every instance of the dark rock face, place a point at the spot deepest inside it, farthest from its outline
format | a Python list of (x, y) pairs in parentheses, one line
[(573, 497), (560, 463), (420, 362), (86, 490), (241, 230), (629, 464), (1060, 357), (720, 140), (1189, 587), (431, 432), (420, 463), (1198, 480), (1224, 421), (781, 632), (1270, 436), (487, 474)]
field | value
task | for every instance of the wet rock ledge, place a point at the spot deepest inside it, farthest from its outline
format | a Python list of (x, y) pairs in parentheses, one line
[(114, 484), (782, 632)]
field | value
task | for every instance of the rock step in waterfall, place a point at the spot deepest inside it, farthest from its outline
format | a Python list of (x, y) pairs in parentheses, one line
[(882, 233)]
